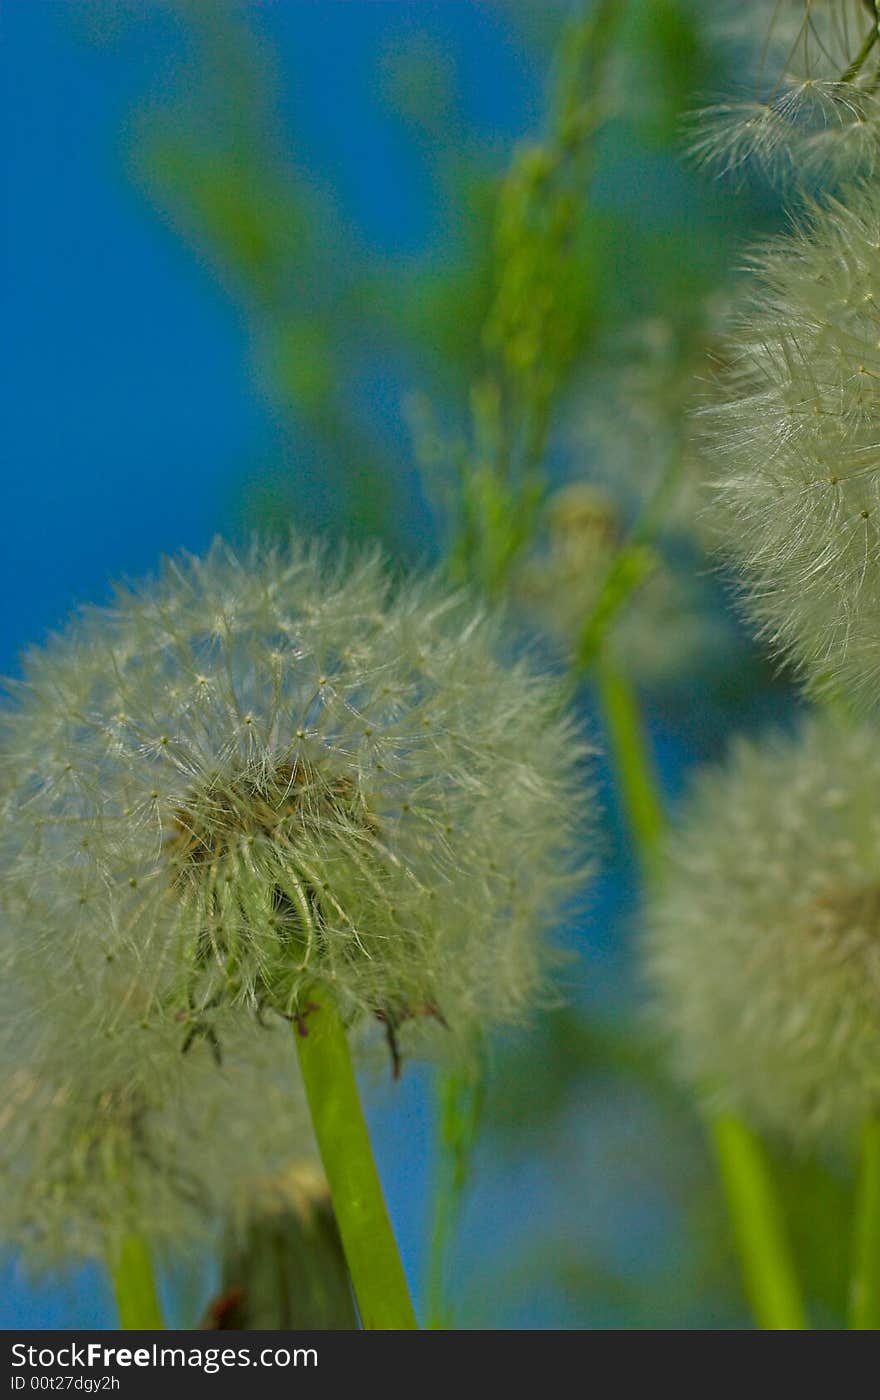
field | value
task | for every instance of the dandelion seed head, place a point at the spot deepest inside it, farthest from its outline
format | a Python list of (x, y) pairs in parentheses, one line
[(271, 771), (86, 1160), (807, 104), (792, 440), (763, 940)]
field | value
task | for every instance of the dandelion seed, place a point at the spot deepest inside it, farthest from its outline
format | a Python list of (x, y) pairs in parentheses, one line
[(808, 106)]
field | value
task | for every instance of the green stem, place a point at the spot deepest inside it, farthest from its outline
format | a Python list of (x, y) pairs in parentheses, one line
[(134, 1286), (343, 1140), (864, 1307), (629, 568), (633, 762), (768, 1269), (460, 1100)]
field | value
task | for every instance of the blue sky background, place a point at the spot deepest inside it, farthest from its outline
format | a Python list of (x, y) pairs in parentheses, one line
[(130, 418)]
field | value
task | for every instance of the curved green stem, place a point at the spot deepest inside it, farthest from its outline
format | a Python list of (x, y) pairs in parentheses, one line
[(377, 1275), (768, 1269), (134, 1286), (633, 762), (864, 1303), (629, 568)]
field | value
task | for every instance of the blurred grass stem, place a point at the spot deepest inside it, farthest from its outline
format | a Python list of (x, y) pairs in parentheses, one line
[(502, 482), (768, 1270), (629, 568), (634, 764), (460, 1095)]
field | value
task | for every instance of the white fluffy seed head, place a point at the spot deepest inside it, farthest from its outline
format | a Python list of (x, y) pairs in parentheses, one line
[(763, 940), (85, 1161), (266, 772), (792, 440), (807, 103)]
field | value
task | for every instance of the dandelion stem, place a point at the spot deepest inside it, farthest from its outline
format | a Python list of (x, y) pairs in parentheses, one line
[(460, 1095), (343, 1140), (634, 764), (864, 1305), (134, 1286), (768, 1269)]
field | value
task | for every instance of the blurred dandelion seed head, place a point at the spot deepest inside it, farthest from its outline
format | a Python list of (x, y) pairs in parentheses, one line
[(83, 1166), (763, 942), (793, 441)]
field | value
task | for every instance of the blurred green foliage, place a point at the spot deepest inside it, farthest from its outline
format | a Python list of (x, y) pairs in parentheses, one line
[(214, 159)]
